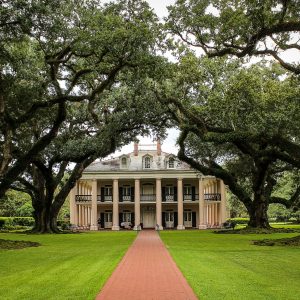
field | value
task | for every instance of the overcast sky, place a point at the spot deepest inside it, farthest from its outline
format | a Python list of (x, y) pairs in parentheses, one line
[(160, 6)]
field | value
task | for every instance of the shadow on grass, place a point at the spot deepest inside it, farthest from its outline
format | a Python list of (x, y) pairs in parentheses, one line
[(294, 241), (12, 245), (248, 230)]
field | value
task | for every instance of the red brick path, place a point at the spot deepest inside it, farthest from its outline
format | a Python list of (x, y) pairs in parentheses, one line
[(147, 272)]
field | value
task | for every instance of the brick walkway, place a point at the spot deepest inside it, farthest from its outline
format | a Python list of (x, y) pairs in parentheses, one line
[(147, 272)]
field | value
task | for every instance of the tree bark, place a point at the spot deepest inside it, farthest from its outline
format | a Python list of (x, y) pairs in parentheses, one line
[(45, 222), (258, 213)]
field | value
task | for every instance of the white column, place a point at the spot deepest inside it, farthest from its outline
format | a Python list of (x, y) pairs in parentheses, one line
[(79, 215), (158, 203), (115, 205), (72, 196), (94, 224), (202, 224), (85, 215), (180, 225), (212, 214), (137, 204), (82, 215), (223, 202), (216, 214)]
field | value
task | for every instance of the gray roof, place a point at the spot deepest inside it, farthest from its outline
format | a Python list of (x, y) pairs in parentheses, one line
[(135, 163)]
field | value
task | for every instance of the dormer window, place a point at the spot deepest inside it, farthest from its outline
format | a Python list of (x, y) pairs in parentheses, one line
[(147, 162), (124, 163), (171, 163)]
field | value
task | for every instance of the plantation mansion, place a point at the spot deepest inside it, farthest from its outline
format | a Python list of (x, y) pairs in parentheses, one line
[(146, 189)]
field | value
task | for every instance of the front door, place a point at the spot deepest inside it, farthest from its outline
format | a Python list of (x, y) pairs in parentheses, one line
[(148, 219), (107, 220), (188, 219), (169, 219)]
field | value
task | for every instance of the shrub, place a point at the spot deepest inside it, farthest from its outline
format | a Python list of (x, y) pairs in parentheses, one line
[(63, 224), (2, 222), (11, 223), (239, 220), (24, 221)]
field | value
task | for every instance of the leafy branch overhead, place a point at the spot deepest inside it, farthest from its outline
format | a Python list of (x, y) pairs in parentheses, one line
[(239, 28), (55, 54)]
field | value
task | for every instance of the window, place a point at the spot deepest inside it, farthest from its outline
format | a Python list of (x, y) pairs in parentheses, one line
[(108, 217), (147, 162), (108, 190), (126, 216), (169, 216), (169, 190), (187, 216), (123, 162), (171, 163), (126, 190), (187, 190)]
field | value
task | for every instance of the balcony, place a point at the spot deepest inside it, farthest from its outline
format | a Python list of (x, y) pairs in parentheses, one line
[(212, 197), (190, 197), (148, 198), (104, 198), (127, 198), (169, 198), (83, 198)]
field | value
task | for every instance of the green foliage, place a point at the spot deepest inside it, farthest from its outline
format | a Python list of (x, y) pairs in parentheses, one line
[(235, 206), (240, 28), (16, 204), (239, 220), (11, 223)]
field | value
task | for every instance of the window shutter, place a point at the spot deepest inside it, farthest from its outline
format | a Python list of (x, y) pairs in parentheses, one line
[(102, 194), (175, 219), (120, 194), (193, 193), (175, 193), (163, 219), (120, 218), (194, 219), (163, 194), (132, 194), (102, 220)]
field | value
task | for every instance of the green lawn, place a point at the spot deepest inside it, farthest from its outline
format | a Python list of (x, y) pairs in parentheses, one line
[(66, 266), (227, 266)]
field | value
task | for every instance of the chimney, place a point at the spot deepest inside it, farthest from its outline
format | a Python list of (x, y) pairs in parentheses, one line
[(158, 147), (136, 149)]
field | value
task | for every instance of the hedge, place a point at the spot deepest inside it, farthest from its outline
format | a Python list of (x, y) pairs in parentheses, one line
[(16, 221), (239, 220)]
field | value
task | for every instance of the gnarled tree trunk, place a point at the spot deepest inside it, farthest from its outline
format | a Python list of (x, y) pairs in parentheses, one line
[(258, 213)]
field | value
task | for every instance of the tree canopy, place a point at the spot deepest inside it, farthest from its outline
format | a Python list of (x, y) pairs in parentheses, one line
[(239, 28)]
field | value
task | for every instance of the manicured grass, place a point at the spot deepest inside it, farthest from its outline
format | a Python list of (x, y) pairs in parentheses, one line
[(228, 266), (65, 266)]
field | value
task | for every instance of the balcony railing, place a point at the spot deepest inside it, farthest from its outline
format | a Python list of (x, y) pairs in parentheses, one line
[(190, 197), (148, 198), (127, 198), (83, 198), (169, 198), (104, 198), (212, 197)]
